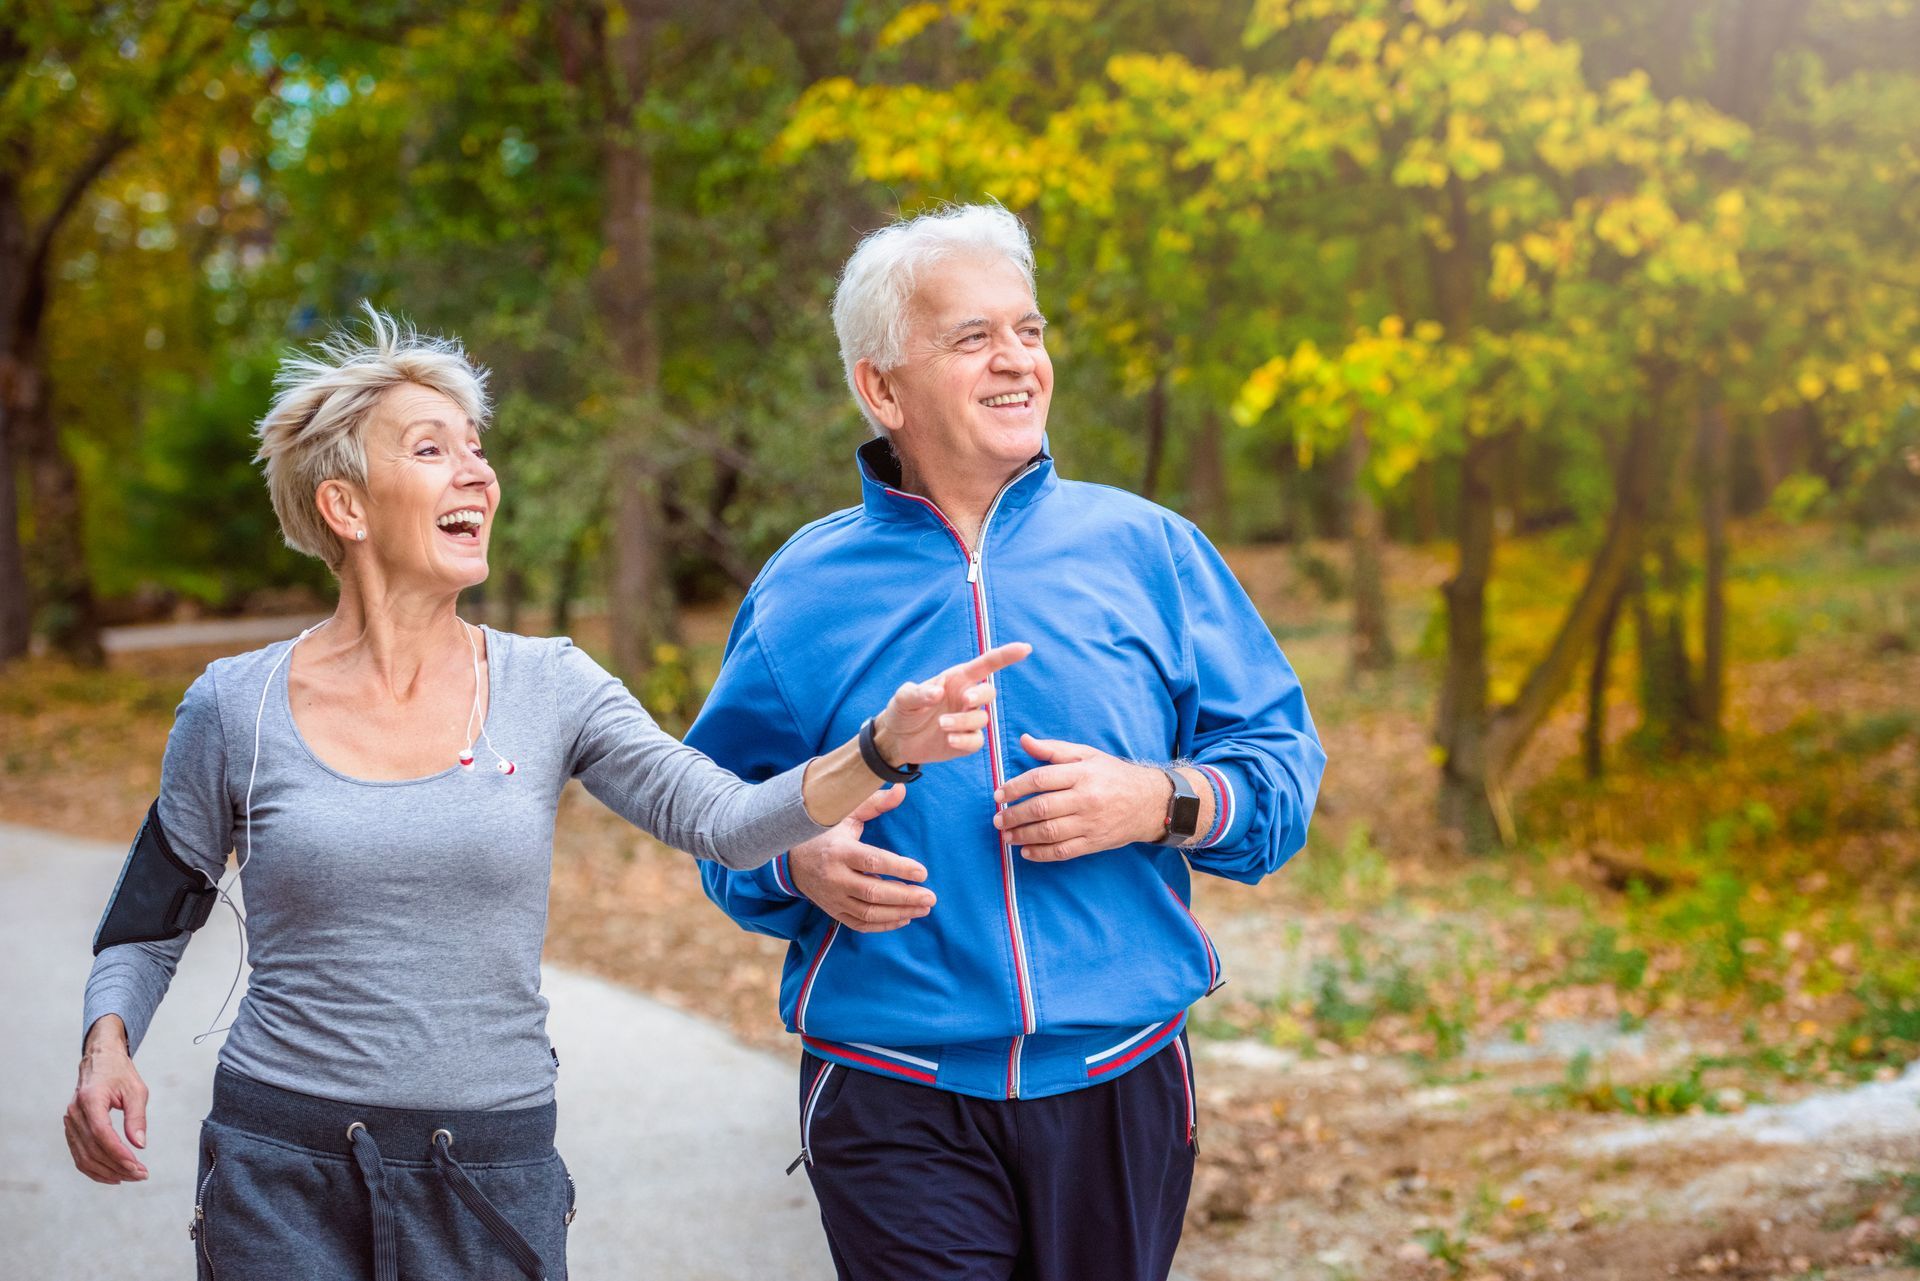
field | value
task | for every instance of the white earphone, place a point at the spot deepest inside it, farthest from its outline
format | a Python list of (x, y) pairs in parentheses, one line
[(500, 762)]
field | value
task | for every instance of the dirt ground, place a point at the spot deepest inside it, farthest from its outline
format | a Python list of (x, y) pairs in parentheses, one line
[(1317, 1161)]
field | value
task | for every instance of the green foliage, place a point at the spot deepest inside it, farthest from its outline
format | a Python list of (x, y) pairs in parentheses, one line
[(1354, 873), (1666, 1097), (1800, 497), (1453, 1252), (198, 521)]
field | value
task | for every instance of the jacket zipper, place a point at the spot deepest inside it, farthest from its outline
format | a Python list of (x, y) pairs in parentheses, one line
[(1186, 1086), (197, 1230), (996, 762), (806, 1119)]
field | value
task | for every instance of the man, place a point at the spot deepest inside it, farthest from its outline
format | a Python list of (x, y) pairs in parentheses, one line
[(992, 995)]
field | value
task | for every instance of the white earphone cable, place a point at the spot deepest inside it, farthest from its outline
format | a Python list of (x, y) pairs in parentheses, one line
[(240, 864), (501, 763)]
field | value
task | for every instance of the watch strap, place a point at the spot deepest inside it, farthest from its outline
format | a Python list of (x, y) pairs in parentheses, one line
[(870, 753), (1183, 810)]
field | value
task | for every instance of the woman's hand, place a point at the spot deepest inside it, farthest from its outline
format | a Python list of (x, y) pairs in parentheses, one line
[(946, 717), (108, 1081)]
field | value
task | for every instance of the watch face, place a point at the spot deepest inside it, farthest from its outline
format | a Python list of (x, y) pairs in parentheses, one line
[(1183, 819)]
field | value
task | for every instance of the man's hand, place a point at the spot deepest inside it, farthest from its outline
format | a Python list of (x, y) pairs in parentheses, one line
[(107, 1082), (1084, 801), (846, 879)]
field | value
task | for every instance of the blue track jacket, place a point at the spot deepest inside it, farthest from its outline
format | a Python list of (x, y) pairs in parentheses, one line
[(1026, 979)]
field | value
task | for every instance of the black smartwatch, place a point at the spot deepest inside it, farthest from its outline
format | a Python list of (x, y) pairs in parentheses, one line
[(1183, 810)]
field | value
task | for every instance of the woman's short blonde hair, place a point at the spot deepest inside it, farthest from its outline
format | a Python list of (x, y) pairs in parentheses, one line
[(315, 430)]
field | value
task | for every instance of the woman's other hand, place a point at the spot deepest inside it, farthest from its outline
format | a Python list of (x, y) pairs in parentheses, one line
[(946, 717), (108, 1081)]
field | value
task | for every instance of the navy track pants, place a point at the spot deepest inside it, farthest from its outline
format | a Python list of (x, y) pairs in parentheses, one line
[(921, 1184)]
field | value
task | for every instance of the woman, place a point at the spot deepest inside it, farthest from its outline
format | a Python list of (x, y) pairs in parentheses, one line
[(383, 1104)]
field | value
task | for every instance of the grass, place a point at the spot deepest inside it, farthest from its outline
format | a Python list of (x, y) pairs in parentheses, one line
[(1672, 1096)]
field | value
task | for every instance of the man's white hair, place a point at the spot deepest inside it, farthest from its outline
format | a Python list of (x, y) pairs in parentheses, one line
[(316, 429), (873, 305)]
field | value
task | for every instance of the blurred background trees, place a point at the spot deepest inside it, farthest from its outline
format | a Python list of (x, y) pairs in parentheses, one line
[(1430, 270)]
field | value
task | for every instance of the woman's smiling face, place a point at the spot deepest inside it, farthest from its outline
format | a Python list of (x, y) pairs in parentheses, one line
[(431, 494)]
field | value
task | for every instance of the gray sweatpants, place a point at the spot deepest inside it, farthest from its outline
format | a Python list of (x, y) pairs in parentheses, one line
[(285, 1190)]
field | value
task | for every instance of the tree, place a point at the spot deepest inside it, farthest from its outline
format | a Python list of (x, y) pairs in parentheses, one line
[(1388, 399), (82, 87)]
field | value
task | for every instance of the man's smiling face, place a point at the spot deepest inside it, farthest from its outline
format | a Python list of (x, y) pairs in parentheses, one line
[(971, 398)]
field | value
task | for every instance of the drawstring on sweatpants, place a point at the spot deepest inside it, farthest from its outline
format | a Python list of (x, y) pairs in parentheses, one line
[(386, 1250), (474, 1199)]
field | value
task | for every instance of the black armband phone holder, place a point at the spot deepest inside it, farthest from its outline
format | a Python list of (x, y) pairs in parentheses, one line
[(158, 896)]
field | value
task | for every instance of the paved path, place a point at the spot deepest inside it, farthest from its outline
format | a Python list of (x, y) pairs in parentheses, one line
[(238, 632), (676, 1133)]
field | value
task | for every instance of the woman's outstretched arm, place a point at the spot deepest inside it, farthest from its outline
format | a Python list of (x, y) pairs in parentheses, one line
[(679, 795)]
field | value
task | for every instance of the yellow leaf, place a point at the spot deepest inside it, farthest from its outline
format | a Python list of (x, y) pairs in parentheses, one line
[(908, 23), (1509, 271)]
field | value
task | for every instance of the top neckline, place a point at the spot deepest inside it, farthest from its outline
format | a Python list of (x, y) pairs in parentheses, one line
[(286, 703)]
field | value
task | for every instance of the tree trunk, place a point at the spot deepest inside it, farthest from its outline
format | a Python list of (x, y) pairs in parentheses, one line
[(1479, 749), (1715, 466), (1666, 670), (60, 578), (1207, 477), (1292, 526), (1513, 727), (566, 585), (512, 597), (1461, 731), (1425, 503), (16, 614), (639, 597), (1674, 703), (1593, 735), (69, 617), (1469, 807), (1766, 459), (1156, 436), (31, 447), (1372, 647)]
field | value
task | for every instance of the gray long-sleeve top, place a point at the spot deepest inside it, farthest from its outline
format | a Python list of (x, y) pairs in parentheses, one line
[(395, 927)]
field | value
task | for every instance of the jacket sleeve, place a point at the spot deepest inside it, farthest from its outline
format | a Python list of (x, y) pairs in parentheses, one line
[(1244, 722), (749, 726)]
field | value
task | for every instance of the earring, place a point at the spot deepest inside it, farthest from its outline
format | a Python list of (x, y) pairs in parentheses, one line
[(360, 534)]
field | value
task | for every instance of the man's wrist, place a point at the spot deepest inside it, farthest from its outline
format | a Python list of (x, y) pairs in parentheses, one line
[(1161, 792)]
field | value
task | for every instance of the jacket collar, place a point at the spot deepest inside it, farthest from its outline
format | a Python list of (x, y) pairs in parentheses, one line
[(883, 499)]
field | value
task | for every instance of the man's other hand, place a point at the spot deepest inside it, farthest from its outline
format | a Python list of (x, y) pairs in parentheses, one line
[(849, 880), (1084, 801)]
